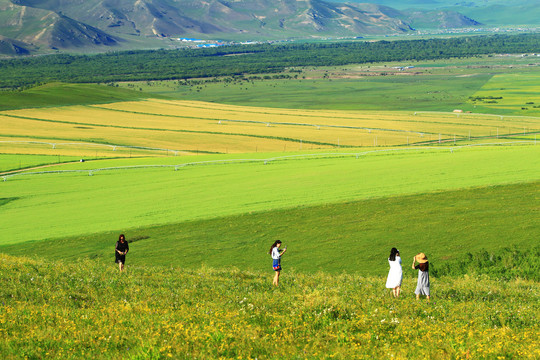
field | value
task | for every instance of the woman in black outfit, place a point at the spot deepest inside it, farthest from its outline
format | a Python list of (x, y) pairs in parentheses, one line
[(120, 251)]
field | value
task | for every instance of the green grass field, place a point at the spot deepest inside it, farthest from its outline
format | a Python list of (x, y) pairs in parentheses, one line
[(78, 204), (431, 92), (446, 225), (371, 93)]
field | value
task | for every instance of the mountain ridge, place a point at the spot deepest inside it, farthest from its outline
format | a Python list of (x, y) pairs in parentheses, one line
[(82, 24), (493, 13)]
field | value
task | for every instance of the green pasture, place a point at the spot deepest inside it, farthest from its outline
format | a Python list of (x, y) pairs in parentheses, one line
[(198, 279), (74, 204), (485, 64), (494, 63), (428, 86), (392, 92), (395, 92)]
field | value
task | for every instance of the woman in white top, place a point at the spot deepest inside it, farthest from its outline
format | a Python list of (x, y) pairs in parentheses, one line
[(395, 275), (276, 259)]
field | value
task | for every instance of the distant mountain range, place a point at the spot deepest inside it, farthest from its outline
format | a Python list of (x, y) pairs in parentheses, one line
[(27, 26), (492, 13)]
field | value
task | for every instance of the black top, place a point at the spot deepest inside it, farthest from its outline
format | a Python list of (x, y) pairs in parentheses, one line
[(122, 246)]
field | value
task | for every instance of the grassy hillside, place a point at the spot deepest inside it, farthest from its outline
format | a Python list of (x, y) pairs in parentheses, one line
[(202, 189), (71, 204), (353, 237), (87, 310)]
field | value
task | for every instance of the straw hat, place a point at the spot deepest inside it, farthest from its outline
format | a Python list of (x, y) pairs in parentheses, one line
[(421, 258)]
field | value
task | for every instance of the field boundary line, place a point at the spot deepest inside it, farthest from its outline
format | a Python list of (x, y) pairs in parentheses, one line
[(265, 161), (458, 114), (114, 147)]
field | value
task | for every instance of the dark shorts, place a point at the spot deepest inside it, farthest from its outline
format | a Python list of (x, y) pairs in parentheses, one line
[(276, 264)]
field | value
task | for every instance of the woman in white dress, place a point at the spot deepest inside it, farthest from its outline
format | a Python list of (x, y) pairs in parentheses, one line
[(395, 275)]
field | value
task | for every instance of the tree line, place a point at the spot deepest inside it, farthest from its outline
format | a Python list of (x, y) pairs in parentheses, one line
[(145, 65)]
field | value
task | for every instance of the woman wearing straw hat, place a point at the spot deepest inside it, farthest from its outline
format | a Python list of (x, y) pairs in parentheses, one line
[(395, 274), (422, 286)]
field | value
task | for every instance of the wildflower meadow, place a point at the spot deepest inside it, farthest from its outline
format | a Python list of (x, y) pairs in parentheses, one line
[(87, 310)]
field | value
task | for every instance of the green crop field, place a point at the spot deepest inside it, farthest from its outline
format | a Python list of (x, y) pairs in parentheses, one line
[(371, 93)]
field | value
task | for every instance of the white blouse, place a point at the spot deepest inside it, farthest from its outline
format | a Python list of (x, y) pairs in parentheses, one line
[(275, 253)]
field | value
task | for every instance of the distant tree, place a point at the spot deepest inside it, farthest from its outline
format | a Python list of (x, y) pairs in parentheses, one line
[(267, 59)]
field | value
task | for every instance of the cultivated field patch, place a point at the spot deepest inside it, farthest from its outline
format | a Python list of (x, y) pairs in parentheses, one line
[(199, 127), (518, 93)]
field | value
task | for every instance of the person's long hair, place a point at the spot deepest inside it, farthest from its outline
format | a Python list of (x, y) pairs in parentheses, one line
[(121, 237), (274, 245), (393, 254)]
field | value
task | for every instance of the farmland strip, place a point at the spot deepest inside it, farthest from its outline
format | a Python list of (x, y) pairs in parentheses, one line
[(176, 130), (268, 122)]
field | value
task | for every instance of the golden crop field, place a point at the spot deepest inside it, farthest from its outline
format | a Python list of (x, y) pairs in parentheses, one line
[(414, 122), (192, 127)]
